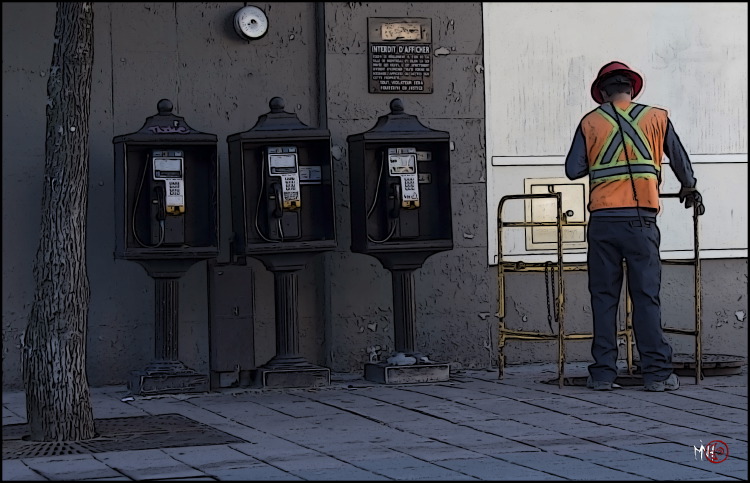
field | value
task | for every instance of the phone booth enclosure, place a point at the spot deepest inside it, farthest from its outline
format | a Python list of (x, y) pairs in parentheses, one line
[(192, 232), (381, 221), (282, 186)]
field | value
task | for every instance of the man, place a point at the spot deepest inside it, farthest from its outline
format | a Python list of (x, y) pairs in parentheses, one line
[(625, 175)]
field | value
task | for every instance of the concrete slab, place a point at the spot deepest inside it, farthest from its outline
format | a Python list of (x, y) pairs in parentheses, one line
[(147, 465), (17, 470), (211, 456), (488, 468), (472, 427), (71, 467), (348, 473)]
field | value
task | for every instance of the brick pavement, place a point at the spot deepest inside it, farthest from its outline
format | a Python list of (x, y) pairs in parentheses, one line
[(473, 427)]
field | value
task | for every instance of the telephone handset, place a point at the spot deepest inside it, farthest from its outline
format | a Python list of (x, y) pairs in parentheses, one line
[(167, 198), (281, 188)]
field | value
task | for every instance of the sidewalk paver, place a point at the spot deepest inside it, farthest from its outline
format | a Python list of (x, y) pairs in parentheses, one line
[(473, 427)]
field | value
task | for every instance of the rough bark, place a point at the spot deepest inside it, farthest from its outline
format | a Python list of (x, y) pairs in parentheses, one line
[(58, 403)]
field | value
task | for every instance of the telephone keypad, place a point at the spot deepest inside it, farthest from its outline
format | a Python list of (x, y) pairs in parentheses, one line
[(174, 188)]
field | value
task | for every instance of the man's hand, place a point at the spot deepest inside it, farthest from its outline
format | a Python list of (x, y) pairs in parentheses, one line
[(691, 196)]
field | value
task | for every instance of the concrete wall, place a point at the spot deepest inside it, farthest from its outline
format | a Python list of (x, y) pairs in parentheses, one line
[(454, 289), (189, 53), (540, 61), (724, 313), (691, 68), (143, 52)]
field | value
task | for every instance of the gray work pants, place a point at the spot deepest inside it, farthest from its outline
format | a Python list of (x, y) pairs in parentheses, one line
[(609, 242)]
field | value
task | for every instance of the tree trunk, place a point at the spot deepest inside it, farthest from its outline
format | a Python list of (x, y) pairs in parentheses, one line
[(58, 403)]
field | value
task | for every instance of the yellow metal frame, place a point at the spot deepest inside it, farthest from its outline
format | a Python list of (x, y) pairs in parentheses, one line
[(696, 263), (505, 333)]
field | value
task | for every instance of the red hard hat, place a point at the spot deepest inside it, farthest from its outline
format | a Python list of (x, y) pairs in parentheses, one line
[(616, 68)]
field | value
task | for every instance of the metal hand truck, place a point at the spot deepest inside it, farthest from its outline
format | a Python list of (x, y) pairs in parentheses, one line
[(505, 333)]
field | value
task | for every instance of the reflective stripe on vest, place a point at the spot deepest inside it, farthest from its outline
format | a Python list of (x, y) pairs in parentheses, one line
[(623, 170), (637, 138), (641, 164)]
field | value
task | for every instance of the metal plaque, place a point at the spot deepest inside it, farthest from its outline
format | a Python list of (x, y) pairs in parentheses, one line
[(400, 55)]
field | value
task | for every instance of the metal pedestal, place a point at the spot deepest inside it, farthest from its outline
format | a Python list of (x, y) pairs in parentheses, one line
[(166, 374), (287, 368)]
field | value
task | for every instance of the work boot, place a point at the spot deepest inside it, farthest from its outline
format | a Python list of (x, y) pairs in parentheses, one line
[(598, 385), (672, 383)]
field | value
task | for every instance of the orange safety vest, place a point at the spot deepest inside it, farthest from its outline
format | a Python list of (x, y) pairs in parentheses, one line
[(610, 172)]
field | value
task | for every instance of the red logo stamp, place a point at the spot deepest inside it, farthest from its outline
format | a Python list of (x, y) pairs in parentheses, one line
[(717, 451)]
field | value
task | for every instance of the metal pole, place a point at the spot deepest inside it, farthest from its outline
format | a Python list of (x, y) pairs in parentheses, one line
[(560, 291), (404, 310), (697, 280), (628, 323), (166, 318), (501, 296), (287, 322)]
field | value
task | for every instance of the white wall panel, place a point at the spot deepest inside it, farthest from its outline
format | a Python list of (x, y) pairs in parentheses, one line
[(540, 61)]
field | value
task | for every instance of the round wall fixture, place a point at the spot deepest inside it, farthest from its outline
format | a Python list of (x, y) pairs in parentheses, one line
[(250, 23)]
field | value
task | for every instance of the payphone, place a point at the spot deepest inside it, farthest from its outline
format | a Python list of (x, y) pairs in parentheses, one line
[(283, 214), (166, 219), (282, 189), (166, 193), (399, 189)]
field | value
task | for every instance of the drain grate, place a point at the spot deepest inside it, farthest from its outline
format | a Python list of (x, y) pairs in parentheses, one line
[(684, 365), (119, 434), (28, 449), (711, 364)]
